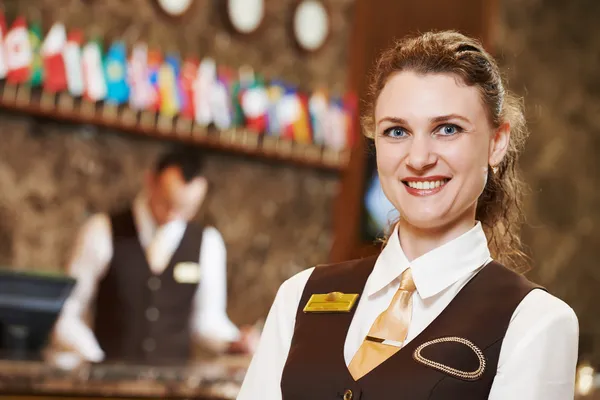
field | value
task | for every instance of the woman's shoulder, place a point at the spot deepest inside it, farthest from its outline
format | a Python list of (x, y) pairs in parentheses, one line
[(541, 308), (291, 289)]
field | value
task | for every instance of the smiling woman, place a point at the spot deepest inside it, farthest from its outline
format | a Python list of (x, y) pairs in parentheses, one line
[(458, 107), (437, 317)]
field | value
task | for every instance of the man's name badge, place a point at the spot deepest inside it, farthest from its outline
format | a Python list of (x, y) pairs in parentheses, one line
[(333, 302), (187, 272)]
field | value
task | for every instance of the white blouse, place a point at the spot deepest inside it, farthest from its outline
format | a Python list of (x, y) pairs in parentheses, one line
[(539, 352)]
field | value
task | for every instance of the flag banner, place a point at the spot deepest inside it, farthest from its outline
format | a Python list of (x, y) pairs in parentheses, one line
[(154, 63), (301, 126), (255, 107), (73, 66), (55, 78), (37, 71), (189, 71), (141, 91), (203, 86), (3, 33), (93, 72), (115, 70), (318, 105), (18, 52), (172, 92), (337, 124), (169, 87)]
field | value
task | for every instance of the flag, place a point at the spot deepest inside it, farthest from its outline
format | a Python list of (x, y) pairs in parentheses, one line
[(18, 52), (55, 79), (220, 105), (115, 69), (220, 99), (141, 95), (3, 64), (186, 83), (337, 126), (73, 67), (301, 126), (318, 106), (169, 87), (245, 80), (203, 86), (255, 103), (289, 112), (35, 38), (154, 64), (93, 74), (275, 92)]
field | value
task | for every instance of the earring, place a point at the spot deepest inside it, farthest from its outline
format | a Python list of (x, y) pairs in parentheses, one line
[(495, 170)]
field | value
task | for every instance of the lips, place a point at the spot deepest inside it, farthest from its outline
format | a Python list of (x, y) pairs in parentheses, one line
[(425, 186)]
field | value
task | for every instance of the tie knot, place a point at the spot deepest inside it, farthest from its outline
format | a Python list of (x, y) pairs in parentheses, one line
[(406, 281)]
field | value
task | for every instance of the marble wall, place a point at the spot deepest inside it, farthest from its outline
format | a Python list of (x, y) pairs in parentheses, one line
[(276, 218), (550, 54)]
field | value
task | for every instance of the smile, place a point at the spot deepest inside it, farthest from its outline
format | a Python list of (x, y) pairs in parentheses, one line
[(425, 187)]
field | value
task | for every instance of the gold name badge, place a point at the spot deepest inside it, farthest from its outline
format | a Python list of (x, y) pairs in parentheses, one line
[(330, 303), (187, 272)]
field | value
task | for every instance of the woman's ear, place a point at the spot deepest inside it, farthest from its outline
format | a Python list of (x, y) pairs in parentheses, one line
[(499, 144)]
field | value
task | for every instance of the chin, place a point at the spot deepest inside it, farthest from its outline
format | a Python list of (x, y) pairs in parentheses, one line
[(424, 221)]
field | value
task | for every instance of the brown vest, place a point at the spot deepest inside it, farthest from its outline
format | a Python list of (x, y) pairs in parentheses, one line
[(480, 313), (141, 317)]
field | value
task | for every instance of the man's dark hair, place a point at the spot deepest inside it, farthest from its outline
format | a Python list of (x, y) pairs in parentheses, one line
[(189, 161)]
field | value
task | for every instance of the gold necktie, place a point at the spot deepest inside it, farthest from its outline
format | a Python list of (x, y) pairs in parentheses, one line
[(388, 332)]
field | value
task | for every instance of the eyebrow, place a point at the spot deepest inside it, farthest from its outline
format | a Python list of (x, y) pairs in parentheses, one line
[(441, 118)]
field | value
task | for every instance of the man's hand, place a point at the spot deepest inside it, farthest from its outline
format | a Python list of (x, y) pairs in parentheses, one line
[(247, 343)]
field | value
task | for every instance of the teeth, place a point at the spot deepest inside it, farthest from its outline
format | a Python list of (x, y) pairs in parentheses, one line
[(426, 185)]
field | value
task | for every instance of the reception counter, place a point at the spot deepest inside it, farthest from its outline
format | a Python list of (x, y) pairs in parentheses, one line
[(218, 379)]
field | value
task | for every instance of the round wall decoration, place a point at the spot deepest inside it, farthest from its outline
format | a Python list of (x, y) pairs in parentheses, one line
[(245, 16), (311, 25)]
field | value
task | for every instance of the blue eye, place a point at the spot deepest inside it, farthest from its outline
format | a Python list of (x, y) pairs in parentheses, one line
[(394, 132), (449, 130)]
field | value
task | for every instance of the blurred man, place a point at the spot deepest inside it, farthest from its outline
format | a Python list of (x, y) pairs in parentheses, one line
[(157, 282)]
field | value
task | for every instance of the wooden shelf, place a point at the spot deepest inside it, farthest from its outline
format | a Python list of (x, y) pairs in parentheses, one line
[(63, 107)]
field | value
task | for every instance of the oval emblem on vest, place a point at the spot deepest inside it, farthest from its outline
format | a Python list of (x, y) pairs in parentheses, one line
[(187, 272), (471, 375)]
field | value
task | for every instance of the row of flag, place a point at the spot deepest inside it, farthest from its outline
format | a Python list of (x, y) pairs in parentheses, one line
[(198, 90)]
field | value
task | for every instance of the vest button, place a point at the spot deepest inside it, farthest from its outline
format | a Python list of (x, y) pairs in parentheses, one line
[(149, 345), (154, 283), (348, 395), (152, 314)]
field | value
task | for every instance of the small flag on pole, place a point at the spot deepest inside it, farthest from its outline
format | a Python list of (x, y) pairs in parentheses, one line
[(93, 74), (3, 33), (73, 67), (186, 82), (35, 38), (55, 79), (203, 87), (318, 105), (168, 85), (154, 64), (115, 68), (18, 52), (142, 93)]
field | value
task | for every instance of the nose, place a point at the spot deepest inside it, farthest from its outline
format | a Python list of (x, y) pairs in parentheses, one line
[(421, 154)]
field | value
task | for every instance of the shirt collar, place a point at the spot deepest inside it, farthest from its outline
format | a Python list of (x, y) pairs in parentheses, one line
[(145, 223), (433, 271)]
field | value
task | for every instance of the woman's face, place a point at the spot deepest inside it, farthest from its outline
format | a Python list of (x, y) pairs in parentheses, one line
[(434, 144)]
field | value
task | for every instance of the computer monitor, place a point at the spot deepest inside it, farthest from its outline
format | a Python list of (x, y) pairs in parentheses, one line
[(30, 303)]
